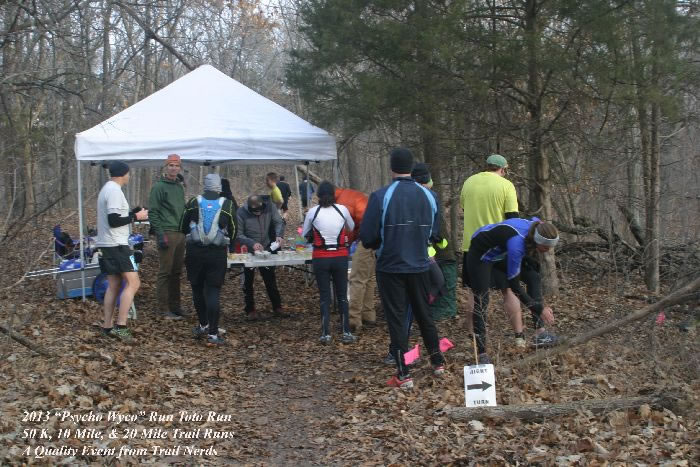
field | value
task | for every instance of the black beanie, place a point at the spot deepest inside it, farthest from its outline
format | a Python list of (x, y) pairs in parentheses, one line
[(420, 173), (118, 169), (401, 161)]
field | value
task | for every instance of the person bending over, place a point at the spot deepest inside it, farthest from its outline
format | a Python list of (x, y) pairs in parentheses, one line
[(508, 241)]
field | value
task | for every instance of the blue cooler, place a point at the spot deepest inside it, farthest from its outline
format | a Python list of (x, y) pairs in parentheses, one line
[(68, 281)]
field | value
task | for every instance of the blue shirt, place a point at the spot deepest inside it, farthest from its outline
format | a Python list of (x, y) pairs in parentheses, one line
[(505, 240)]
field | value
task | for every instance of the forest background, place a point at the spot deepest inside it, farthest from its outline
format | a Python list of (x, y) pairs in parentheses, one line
[(594, 103)]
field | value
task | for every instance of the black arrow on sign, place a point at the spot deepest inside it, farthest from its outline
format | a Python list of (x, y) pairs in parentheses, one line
[(483, 386)]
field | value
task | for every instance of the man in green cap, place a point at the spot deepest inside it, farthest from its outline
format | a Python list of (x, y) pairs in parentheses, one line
[(489, 198)]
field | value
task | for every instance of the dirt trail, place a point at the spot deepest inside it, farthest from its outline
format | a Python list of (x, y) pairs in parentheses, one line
[(293, 401)]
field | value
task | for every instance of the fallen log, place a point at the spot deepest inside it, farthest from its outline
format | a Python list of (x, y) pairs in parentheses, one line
[(24, 341), (679, 296), (304, 170), (533, 412)]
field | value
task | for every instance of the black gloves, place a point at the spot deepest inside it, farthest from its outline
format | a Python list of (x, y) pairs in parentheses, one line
[(162, 240)]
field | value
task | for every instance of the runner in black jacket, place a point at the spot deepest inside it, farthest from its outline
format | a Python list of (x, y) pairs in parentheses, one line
[(399, 222)]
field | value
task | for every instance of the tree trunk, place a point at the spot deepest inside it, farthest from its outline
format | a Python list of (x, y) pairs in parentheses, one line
[(683, 294), (354, 167), (542, 188), (28, 159), (106, 57), (652, 252), (533, 412)]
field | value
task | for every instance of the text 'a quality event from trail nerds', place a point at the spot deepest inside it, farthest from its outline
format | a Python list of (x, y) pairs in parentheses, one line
[(40, 452)]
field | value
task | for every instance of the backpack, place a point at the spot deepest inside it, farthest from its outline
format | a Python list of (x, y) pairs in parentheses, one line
[(339, 241), (208, 231)]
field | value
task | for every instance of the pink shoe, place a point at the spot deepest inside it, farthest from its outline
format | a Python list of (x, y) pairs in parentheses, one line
[(395, 382)]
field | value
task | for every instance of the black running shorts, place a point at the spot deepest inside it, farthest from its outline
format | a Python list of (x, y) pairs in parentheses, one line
[(499, 277), (117, 259)]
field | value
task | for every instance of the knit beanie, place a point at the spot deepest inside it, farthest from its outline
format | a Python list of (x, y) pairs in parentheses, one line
[(118, 169), (420, 173), (212, 182), (173, 158), (401, 161)]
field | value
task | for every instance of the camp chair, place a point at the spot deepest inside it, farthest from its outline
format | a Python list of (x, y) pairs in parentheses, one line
[(64, 246)]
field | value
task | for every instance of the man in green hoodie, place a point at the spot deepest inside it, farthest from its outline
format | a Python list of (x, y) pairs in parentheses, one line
[(166, 207)]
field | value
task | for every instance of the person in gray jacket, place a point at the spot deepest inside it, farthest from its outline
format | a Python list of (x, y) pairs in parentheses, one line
[(260, 223)]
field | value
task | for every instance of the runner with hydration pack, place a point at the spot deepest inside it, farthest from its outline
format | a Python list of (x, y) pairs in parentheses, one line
[(210, 231), (326, 227)]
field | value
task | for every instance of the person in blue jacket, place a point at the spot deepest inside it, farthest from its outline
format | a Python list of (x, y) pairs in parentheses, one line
[(509, 241), (399, 223)]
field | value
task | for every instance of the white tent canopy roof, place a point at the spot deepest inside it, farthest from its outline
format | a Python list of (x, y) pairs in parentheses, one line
[(205, 116)]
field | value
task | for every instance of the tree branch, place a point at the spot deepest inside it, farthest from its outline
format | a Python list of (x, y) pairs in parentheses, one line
[(152, 34)]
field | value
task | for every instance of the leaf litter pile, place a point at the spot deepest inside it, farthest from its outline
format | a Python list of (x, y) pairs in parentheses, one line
[(274, 396)]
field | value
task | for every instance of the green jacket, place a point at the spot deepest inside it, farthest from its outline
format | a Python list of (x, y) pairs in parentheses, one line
[(166, 205)]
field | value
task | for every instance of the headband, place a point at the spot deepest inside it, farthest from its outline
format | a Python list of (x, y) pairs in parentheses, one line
[(544, 241)]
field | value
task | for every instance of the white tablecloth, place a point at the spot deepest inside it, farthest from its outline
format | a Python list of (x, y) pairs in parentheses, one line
[(291, 258)]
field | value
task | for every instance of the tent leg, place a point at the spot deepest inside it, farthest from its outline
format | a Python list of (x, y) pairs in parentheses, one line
[(308, 186), (296, 185), (80, 226)]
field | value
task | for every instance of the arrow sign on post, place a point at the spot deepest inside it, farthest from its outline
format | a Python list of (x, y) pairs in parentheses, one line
[(483, 386), (479, 386)]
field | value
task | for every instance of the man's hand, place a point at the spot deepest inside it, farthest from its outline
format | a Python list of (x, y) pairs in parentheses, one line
[(162, 241), (547, 315), (258, 247), (280, 240), (141, 215)]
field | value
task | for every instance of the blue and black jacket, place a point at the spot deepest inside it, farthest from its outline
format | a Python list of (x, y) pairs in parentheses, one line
[(505, 240), (399, 222)]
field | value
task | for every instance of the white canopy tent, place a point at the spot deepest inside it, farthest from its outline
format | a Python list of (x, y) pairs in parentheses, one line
[(207, 118)]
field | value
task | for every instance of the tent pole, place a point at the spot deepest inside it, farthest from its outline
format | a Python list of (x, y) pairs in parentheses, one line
[(80, 226), (308, 186), (296, 185)]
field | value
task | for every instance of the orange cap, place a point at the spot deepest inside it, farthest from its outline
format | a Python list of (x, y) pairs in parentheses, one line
[(173, 158)]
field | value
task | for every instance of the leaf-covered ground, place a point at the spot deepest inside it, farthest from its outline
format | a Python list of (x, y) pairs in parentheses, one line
[(292, 401)]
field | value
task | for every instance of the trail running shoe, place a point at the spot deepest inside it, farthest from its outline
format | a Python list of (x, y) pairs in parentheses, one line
[(520, 343), (281, 313), (439, 370), (105, 332), (171, 315), (395, 382), (348, 338), (545, 339), (199, 331), (123, 334), (484, 359), (213, 341), (256, 316), (389, 359), (325, 340)]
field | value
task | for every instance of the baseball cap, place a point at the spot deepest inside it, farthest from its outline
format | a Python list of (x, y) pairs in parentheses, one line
[(497, 160)]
